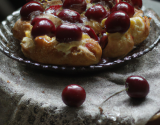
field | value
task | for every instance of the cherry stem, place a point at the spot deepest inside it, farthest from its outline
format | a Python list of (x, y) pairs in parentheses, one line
[(113, 95)]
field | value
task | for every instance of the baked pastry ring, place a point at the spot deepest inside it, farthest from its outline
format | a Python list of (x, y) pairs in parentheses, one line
[(86, 51)]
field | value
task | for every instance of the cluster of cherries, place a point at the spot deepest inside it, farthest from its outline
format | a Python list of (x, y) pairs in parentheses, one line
[(118, 18), (136, 87)]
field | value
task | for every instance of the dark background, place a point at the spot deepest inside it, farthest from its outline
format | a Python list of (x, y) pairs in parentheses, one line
[(8, 6)]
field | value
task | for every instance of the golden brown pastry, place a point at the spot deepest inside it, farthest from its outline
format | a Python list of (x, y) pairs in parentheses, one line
[(74, 34)]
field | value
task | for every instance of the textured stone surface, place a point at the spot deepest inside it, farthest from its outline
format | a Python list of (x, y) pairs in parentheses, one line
[(33, 97)]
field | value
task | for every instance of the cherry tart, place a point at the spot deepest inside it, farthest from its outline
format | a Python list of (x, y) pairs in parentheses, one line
[(81, 32)]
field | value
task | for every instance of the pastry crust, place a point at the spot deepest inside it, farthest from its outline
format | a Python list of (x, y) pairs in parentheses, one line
[(20, 28), (118, 45), (49, 51)]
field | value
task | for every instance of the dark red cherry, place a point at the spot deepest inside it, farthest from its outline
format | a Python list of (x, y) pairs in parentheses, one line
[(103, 41), (124, 6), (137, 86), (68, 32), (30, 7), (42, 26), (70, 16), (135, 3), (87, 29), (77, 5), (117, 21), (52, 9), (73, 95), (96, 12)]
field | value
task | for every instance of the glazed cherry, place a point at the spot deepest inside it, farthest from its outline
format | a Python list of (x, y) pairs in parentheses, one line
[(96, 12), (87, 29), (103, 41), (68, 32), (30, 7), (117, 21), (70, 16), (137, 87), (73, 95), (42, 26), (124, 6), (52, 9), (77, 5)]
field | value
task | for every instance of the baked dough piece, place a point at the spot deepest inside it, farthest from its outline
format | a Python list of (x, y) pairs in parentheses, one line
[(120, 44), (20, 28), (49, 51)]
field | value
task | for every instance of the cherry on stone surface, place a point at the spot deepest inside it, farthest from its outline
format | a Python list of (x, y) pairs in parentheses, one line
[(96, 12), (73, 95), (30, 7), (137, 86), (70, 16), (68, 32), (77, 5), (87, 29), (42, 27), (117, 21), (124, 6)]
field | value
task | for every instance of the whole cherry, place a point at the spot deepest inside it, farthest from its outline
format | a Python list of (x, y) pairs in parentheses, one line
[(87, 29), (96, 12), (30, 7), (68, 32), (70, 16), (124, 6), (42, 26), (117, 21), (137, 86), (73, 95), (77, 5)]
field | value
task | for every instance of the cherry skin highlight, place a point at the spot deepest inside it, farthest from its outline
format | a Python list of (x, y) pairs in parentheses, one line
[(77, 5), (73, 95), (30, 7), (96, 12), (70, 16), (42, 27), (68, 32), (52, 9), (124, 6), (137, 87), (117, 21)]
